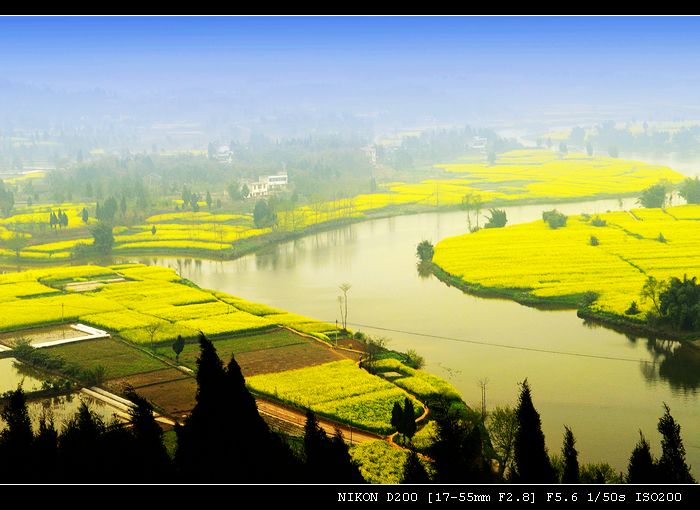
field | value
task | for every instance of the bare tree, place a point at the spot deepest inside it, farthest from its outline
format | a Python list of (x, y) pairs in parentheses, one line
[(373, 347), (152, 329), (344, 287)]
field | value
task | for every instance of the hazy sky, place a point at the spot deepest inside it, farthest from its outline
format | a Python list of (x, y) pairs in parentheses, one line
[(480, 63)]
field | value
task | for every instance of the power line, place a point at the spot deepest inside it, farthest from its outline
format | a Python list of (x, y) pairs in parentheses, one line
[(502, 346)]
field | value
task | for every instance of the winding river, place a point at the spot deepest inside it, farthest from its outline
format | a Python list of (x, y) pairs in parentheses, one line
[(604, 385)]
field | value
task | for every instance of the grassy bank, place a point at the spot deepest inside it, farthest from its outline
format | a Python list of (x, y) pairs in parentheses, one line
[(579, 302)]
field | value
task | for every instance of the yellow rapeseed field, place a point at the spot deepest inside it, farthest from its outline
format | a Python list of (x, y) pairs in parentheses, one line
[(140, 303), (518, 176), (338, 390), (547, 263)]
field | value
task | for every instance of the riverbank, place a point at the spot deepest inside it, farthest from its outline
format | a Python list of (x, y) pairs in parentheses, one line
[(253, 244), (578, 302)]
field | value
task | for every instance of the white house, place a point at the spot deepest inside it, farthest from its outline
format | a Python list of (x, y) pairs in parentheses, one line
[(268, 184), (224, 153), (479, 143)]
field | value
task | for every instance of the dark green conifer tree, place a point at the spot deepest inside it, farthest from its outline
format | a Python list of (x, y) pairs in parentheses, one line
[(16, 439), (409, 418), (152, 463), (672, 466), (458, 451), (413, 470), (530, 453), (327, 460), (641, 467), (571, 472)]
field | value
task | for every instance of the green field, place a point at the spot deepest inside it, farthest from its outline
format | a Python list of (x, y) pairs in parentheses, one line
[(230, 346), (118, 359), (379, 462)]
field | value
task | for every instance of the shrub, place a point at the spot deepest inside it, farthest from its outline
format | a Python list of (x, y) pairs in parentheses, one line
[(414, 360), (598, 222), (497, 219), (554, 219), (633, 309), (594, 241)]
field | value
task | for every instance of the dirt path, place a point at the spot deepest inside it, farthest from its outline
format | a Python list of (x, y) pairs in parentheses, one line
[(298, 418)]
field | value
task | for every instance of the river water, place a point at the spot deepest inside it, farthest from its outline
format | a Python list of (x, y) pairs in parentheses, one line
[(602, 384)]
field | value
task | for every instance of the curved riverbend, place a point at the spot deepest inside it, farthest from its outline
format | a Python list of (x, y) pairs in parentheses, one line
[(601, 383)]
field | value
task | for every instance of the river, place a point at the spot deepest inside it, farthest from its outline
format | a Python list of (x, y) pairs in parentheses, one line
[(604, 401)]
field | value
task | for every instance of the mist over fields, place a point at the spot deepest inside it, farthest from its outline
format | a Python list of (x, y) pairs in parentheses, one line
[(197, 78)]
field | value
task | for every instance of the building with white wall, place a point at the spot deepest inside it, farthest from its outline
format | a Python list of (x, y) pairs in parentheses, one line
[(268, 184)]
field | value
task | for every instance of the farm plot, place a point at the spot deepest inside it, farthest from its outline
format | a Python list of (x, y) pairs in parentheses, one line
[(118, 360), (338, 390), (146, 305)]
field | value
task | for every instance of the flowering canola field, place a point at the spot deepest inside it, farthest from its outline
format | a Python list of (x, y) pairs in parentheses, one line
[(339, 390), (517, 176), (140, 303), (532, 260)]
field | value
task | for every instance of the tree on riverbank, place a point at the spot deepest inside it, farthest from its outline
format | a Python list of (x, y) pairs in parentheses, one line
[(425, 251), (679, 304), (497, 219), (654, 196), (343, 301)]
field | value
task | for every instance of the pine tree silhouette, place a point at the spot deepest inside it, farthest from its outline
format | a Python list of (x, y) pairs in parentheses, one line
[(413, 470), (641, 467), (530, 454), (672, 465), (16, 439), (571, 472)]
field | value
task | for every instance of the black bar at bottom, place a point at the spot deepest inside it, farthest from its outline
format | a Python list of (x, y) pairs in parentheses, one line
[(376, 495)]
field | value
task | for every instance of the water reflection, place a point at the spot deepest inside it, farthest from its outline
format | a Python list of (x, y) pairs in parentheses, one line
[(62, 408), (424, 269), (13, 373), (675, 363)]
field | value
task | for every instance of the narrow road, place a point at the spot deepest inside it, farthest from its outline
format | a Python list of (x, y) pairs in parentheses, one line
[(298, 418)]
